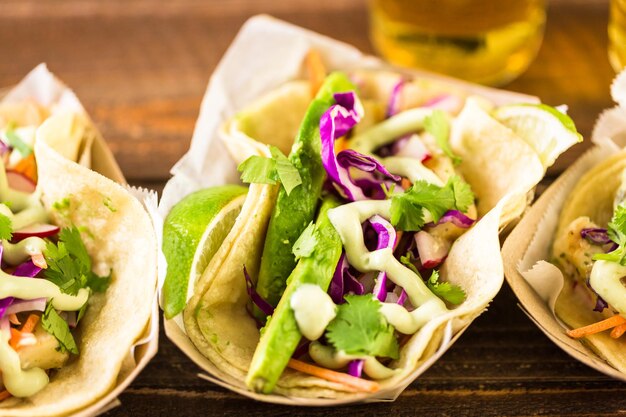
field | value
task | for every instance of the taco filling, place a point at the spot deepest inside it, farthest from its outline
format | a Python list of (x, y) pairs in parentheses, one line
[(593, 258), (46, 275), (352, 253)]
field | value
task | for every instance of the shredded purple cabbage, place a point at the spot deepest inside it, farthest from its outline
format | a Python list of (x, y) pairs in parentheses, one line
[(596, 235), (301, 350), (344, 282), (336, 122), (394, 100), (457, 218), (386, 239), (355, 368), (5, 302), (601, 304), (261, 303), (27, 269)]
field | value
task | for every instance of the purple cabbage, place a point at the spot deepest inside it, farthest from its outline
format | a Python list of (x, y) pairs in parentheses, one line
[(601, 304), (394, 100), (386, 239), (26, 269), (259, 301), (338, 120), (355, 368), (596, 235), (344, 282), (457, 218)]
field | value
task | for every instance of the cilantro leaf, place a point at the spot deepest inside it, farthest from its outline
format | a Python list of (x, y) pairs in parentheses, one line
[(69, 264), (258, 170), (262, 170), (407, 260), (6, 227), (57, 327), (438, 126), (444, 290), (17, 143), (360, 329), (305, 245), (407, 208), (288, 174), (617, 233)]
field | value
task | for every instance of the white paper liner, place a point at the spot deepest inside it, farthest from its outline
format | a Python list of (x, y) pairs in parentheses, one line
[(527, 251), (42, 87), (265, 54)]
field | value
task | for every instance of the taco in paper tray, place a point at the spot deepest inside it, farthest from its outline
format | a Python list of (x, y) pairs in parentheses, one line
[(588, 248), (78, 267), (356, 259)]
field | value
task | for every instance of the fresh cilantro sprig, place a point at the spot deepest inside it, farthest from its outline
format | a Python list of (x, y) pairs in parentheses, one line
[(616, 230), (6, 227), (262, 170), (360, 329), (305, 245), (57, 327), (407, 209), (438, 126), (444, 290), (69, 264)]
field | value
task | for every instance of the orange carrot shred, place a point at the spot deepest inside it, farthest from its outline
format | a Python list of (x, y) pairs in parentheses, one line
[(618, 331), (14, 320), (398, 237), (339, 377), (16, 335), (30, 323), (4, 395), (405, 183), (27, 167), (341, 144), (315, 69), (598, 327)]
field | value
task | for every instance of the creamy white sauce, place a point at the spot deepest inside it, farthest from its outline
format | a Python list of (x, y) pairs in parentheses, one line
[(331, 359), (605, 279), (313, 309)]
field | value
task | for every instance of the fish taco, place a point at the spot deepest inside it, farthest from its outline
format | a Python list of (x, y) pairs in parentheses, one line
[(78, 265), (362, 247)]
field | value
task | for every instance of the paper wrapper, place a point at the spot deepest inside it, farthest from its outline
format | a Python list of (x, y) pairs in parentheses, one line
[(265, 54), (42, 87), (527, 250)]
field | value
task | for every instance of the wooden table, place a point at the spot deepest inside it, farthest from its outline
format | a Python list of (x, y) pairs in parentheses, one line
[(141, 68)]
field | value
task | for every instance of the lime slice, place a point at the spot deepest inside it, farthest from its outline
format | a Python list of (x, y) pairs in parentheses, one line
[(547, 130), (192, 233)]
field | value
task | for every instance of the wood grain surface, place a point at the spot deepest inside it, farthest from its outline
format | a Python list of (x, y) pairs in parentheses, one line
[(141, 68)]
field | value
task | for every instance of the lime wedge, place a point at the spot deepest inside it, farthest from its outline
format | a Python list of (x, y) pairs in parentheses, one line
[(547, 130), (192, 233)]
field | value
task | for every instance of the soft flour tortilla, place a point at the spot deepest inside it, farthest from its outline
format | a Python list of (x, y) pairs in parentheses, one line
[(500, 167), (592, 196), (119, 237)]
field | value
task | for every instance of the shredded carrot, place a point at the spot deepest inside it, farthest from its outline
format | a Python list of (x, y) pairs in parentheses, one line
[(618, 331), (341, 144), (39, 260), (315, 69), (405, 183), (398, 237), (598, 327), (13, 319), (30, 323), (349, 380), (4, 395), (16, 336), (27, 167)]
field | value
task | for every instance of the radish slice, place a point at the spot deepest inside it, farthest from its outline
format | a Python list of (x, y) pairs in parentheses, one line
[(432, 251), (38, 230), (20, 182), (36, 304), (413, 147)]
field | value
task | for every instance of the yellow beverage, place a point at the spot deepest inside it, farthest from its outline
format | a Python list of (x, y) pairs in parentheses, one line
[(485, 41), (617, 35)]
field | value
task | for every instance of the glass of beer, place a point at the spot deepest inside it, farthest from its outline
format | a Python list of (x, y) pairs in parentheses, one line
[(617, 35), (486, 41)]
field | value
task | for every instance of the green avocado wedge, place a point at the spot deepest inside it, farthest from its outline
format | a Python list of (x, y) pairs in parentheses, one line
[(280, 336), (295, 211)]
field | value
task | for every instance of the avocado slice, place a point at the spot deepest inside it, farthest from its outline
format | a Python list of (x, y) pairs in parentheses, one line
[(295, 211), (280, 336)]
